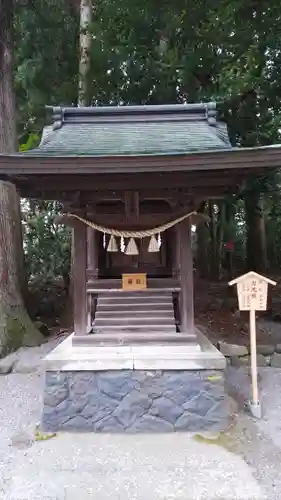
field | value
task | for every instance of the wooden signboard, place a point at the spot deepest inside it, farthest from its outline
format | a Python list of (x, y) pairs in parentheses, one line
[(252, 289), (252, 294), (136, 281)]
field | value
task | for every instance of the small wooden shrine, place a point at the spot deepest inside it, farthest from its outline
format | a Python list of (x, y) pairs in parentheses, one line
[(137, 170), (131, 180)]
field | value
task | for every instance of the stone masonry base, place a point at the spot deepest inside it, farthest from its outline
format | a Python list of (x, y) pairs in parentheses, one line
[(135, 401)]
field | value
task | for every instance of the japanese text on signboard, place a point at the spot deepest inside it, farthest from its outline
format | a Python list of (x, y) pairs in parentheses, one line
[(252, 294)]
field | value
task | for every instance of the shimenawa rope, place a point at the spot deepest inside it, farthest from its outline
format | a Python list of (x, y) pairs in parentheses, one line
[(133, 234)]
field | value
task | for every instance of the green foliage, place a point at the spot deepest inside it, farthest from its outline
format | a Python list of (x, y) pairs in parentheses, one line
[(33, 140), (150, 52), (46, 60), (46, 244)]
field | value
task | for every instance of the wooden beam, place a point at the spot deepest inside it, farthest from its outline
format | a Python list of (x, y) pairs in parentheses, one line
[(87, 198), (79, 278), (186, 277), (114, 185)]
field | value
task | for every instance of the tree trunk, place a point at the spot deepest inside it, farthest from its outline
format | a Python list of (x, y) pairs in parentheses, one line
[(85, 43), (256, 241), (83, 100), (16, 328)]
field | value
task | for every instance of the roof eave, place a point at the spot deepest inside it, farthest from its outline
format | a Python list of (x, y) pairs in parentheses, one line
[(235, 158)]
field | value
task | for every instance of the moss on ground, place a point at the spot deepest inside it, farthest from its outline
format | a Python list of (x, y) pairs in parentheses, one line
[(19, 332), (223, 439)]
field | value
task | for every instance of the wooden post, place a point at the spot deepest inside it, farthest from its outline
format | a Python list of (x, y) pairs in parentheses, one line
[(186, 277), (92, 265), (92, 251), (255, 396), (79, 278), (252, 290), (175, 237)]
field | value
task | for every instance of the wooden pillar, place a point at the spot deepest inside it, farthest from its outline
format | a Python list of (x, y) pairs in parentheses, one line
[(92, 251), (175, 236), (92, 264), (186, 277), (79, 278)]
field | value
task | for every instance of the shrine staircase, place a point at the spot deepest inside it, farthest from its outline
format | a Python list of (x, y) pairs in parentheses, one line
[(135, 312)]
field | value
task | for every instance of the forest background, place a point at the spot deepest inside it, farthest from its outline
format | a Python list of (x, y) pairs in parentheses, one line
[(141, 52)]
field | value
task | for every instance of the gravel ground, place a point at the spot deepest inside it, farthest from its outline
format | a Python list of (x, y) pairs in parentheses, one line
[(244, 464)]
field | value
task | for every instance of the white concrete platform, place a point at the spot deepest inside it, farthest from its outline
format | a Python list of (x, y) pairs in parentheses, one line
[(201, 355)]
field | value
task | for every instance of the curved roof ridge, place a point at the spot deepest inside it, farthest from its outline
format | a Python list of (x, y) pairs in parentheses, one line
[(61, 115)]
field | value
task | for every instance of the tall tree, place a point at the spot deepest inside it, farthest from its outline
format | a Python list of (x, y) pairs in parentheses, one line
[(16, 327), (144, 51), (84, 98)]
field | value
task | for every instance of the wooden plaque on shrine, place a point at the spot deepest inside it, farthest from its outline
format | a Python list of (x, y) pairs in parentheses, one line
[(135, 281)]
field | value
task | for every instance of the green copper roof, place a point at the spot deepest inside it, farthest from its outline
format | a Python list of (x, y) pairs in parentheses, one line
[(133, 130)]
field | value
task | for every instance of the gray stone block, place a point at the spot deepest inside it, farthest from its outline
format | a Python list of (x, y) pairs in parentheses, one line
[(149, 423), (276, 360), (166, 409), (180, 395), (268, 360), (133, 406), (278, 348), (261, 360), (117, 386), (56, 378), (55, 395), (78, 423), (98, 406), (135, 401), (265, 350), (201, 405), (191, 422), (240, 361), (80, 385), (246, 360), (232, 349), (108, 424)]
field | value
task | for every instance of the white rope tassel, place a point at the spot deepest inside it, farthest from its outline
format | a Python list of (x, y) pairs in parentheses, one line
[(104, 240), (159, 240), (132, 248), (122, 244), (112, 245), (153, 244)]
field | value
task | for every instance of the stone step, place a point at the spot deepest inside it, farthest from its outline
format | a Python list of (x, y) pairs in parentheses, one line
[(131, 321), (146, 338), (135, 306), (133, 300), (133, 312), (146, 293), (141, 313), (135, 328)]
